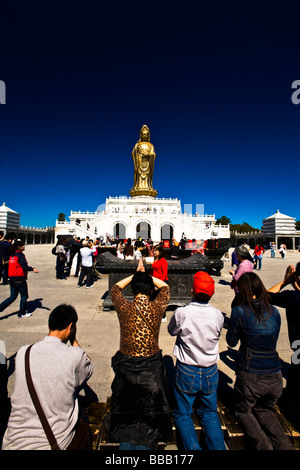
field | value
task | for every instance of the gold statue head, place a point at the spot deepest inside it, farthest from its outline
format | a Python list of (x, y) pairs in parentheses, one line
[(145, 134)]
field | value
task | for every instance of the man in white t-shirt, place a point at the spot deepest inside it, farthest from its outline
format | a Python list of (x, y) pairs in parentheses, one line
[(197, 327), (86, 253)]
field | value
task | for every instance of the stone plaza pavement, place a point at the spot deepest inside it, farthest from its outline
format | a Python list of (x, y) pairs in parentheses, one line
[(98, 330)]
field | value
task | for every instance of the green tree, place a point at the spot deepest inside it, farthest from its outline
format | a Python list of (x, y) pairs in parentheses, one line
[(242, 228), (223, 220)]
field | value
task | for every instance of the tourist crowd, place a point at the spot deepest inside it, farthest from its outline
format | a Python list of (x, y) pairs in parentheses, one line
[(45, 411)]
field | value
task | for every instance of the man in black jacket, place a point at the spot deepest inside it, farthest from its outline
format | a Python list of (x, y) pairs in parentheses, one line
[(5, 244), (74, 247), (290, 300)]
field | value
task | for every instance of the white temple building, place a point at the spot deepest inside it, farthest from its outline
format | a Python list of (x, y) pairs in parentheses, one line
[(9, 219), (10, 224), (143, 214), (280, 225)]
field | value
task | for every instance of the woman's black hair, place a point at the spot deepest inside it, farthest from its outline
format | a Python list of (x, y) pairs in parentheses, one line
[(142, 283), (160, 249), (253, 293), (15, 246)]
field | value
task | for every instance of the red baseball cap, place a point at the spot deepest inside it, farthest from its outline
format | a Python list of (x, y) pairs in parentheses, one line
[(203, 284)]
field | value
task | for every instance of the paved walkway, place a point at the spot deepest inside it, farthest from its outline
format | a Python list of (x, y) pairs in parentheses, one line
[(98, 330)]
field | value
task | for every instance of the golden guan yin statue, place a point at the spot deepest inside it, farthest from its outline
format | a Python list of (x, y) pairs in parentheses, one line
[(143, 156)]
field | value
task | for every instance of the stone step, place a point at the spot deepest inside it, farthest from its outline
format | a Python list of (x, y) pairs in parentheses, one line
[(233, 435)]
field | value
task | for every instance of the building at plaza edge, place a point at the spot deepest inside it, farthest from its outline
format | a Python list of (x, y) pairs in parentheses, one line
[(143, 214)]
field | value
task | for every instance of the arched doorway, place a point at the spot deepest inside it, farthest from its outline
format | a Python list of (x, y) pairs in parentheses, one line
[(166, 232), (143, 230), (119, 231), (29, 239)]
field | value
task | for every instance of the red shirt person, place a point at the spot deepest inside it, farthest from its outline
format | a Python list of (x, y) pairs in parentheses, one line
[(160, 264), (160, 268), (17, 272)]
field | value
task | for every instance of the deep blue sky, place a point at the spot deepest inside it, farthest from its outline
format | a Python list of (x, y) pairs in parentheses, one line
[(212, 82)]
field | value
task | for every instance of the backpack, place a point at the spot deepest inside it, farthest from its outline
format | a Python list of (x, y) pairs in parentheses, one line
[(53, 251)]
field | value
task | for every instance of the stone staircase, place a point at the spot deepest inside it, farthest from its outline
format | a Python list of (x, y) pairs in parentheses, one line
[(233, 435)]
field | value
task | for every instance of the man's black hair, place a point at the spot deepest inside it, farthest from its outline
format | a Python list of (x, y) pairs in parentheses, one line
[(203, 298), (61, 317), (142, 283)]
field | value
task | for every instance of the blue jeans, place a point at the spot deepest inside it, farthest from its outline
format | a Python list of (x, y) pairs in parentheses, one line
[(18, 285), (201, 382), (257, 261), (129, 446)]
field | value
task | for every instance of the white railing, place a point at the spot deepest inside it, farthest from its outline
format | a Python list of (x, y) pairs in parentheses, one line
[(83, 213), (142, 210), (257, 232), (127, 198), (35, 228)]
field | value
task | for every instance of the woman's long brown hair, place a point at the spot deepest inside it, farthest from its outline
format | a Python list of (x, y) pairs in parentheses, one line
[(253, 293)]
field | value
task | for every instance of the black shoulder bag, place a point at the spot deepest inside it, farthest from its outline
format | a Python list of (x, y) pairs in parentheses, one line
[(82, 437), (146, 321)]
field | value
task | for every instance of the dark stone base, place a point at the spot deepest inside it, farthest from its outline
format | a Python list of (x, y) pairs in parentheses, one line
[(180, 274)]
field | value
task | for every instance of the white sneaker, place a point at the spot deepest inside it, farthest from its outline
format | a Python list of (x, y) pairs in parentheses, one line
[(164, 320), (89, 287), (27, 314)]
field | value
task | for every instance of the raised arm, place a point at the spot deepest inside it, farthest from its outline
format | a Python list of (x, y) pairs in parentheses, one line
[(289, 278), (124, 282), (159, 283)]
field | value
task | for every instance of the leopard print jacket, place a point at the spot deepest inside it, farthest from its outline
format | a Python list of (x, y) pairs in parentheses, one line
[(136, 338)]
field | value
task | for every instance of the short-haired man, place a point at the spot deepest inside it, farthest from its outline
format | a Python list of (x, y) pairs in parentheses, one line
[(86, 254), (197, 327), (57, 370)]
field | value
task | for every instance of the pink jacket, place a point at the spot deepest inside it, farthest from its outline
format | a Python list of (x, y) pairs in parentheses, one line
[(244, 267)]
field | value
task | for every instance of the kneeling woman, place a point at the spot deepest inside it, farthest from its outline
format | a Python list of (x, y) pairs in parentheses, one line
[(256, 324), (140, 415)]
